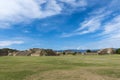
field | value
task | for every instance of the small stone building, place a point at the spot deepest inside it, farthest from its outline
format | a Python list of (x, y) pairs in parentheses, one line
[(106, 51)]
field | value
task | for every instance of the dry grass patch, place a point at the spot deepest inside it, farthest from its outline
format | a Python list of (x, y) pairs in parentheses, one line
[(76, 74)]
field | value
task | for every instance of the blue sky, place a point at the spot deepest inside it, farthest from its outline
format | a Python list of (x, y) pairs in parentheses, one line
[(59, 24)]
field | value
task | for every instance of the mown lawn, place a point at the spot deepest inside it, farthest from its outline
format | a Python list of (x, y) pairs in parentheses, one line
[(87, 67)]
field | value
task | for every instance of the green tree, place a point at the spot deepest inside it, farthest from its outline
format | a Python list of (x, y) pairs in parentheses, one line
[(88, 51), (118, 51), (63, 53)]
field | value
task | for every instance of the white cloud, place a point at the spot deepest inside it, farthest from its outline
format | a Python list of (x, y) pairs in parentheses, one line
[(95, 21), (109, 31), (9, 43), (89, 25), (74, 3), (26, 31), (16, 11), (52, 8), (112, 26), (110, 36), (4, 25)]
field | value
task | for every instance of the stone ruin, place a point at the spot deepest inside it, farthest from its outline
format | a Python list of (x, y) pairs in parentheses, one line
[(34, 52), (45, 52), (42, 52), (106, 51), (6, 51)]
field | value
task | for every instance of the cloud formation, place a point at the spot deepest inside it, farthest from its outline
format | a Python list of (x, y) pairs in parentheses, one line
[(96, 19), (75, 3), (105, 23), (9, 43), (89, 25), (16, 11)]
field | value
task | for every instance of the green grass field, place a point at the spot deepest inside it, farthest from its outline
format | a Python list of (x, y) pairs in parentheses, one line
[(88, 67)]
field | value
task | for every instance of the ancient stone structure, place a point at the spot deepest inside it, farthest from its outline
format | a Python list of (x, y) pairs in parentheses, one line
[(19, 53), (6, 51), (42, 52), (37, 52), (106, 51), (34, 52)]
